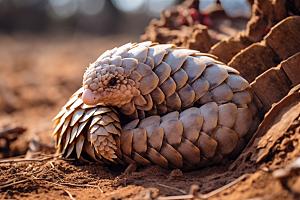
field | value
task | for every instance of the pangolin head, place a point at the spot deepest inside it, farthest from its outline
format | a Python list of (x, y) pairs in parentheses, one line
[(105, 81)]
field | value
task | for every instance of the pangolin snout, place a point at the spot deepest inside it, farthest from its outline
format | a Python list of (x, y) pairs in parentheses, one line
[(89, 97)]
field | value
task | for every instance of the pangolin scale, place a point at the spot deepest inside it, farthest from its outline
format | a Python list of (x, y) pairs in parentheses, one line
[(152, 103)]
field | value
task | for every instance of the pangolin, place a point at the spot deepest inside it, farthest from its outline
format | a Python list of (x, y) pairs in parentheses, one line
[(151, 103)]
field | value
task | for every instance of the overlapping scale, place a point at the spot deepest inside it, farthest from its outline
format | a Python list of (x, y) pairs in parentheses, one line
[(97, 138), (169, 79)]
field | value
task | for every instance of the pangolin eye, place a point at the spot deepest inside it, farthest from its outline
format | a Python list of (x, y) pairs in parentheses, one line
[(112, 81)]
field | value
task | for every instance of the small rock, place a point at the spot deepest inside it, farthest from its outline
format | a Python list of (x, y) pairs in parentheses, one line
[(176, 173)]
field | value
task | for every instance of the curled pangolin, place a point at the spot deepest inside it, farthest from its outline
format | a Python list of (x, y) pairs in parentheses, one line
[(185, 109)]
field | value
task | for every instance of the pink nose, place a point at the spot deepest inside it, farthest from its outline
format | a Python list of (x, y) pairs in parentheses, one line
[(89, 97)]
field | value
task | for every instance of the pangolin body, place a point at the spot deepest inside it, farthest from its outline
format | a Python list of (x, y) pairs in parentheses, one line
[(185, 109)]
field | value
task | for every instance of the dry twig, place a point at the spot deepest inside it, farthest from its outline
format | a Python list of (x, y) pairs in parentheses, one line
[(83, 185), (188, 196), (210, 194), (182, 191), (14, 183), (192, 196), (70, 195), (7, 182), (48, 157), (70, 184)]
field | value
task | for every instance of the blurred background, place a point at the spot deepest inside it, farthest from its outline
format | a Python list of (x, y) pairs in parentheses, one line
[(45, 46), (100, 17)]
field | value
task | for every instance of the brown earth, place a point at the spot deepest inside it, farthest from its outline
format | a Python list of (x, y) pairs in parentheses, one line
[(38, 74)]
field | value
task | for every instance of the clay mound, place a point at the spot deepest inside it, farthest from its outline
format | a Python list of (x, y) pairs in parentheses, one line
[(265, 14), (282, 42), (257, 64)]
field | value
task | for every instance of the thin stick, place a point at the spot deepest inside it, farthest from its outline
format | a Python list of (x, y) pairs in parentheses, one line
[(70, 195), (49, 182), (83, 185), (210, 194), (188, 196), (71, 184), (36, 172), (14, 183), (30, 160), (7, 182), (42, 172), (51, 163), (182, 191)]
